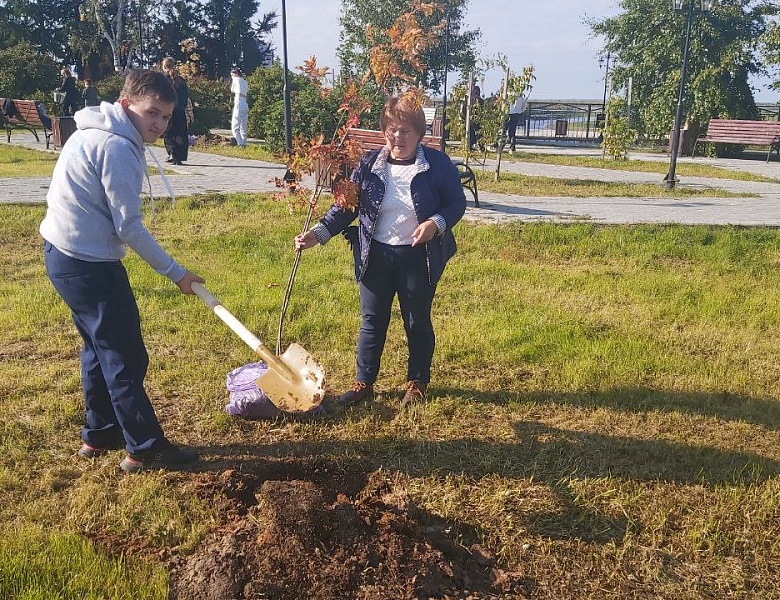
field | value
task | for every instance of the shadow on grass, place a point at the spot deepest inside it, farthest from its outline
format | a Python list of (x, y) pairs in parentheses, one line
[(764, 412), (552, 453), (540, 455)]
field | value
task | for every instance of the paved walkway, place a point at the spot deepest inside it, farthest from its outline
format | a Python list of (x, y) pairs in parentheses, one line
[(211, 173)]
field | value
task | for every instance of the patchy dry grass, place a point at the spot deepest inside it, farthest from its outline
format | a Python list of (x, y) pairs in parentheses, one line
[(531, 185), (604, 411), (683, 168), (24, 162)]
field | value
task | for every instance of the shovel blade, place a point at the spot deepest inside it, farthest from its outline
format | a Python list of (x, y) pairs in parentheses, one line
[(300, 390)]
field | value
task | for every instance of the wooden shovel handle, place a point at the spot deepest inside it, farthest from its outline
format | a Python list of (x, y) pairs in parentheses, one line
[(239, 329)]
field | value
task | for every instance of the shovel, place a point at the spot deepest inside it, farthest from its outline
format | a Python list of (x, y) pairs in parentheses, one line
[(294, 381)]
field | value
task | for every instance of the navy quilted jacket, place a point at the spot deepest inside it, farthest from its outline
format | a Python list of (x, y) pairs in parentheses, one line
[(436, 189)]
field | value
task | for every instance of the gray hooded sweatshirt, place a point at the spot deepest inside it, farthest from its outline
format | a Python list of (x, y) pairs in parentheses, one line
[(94, 201)]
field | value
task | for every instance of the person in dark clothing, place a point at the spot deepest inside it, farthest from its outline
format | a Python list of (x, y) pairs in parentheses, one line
[(90, 94), (476, 102), (177, 135), (516, 117), (70, 100)]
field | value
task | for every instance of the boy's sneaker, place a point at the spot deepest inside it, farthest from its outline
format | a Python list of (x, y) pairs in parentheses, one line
[(88, 451), (163, 455)]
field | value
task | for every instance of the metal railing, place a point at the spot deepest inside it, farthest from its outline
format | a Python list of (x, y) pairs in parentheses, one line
[(768, 112), (578, 120), (562, 120)]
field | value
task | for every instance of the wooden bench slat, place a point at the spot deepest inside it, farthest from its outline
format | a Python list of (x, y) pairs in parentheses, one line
[(743, 132), (25, 116)]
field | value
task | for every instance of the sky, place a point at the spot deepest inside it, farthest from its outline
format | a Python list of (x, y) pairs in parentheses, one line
[(551, 35)]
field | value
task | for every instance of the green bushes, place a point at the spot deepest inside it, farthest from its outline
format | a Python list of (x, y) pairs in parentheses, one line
[(618, 135), (310, 112), (26, 73), (213, 104)]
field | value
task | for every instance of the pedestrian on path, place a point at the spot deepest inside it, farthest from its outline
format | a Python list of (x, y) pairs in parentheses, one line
[(93, 213), (177, 136), (90, 94), (70, 94), (516, 117), (240, 116)]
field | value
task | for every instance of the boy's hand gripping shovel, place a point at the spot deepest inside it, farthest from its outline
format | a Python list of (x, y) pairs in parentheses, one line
[(294, 382)]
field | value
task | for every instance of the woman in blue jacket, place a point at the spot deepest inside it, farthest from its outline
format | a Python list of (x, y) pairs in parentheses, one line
[(410, 197)]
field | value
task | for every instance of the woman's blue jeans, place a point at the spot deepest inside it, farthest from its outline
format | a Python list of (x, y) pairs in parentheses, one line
[(391, 271), (114, 358)]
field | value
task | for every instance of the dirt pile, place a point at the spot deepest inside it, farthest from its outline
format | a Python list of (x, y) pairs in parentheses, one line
[(293, 543), (214, 139)]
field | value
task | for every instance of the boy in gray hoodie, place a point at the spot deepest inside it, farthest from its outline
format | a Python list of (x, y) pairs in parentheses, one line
[(93, 214)]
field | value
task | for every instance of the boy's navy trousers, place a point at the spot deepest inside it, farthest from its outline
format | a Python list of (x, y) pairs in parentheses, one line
[(114, 358)]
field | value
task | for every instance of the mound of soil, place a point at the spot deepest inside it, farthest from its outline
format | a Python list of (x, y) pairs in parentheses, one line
[(214, 139), (291, 543)]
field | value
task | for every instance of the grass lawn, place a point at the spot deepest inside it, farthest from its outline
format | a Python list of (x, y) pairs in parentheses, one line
[(531, 185), (604, 410), (16, 161), (683, 169)]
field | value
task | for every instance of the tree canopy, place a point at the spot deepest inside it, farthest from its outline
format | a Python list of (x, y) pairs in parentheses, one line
[(366, 24), (647, 41), (771, 51), (105, 36)]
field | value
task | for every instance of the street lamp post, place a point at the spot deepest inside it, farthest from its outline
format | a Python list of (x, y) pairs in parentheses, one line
[(606, 80), (706, 5), (289, 177), (447, 32)]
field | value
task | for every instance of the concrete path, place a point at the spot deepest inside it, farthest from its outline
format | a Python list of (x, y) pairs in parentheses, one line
[(205, 173)]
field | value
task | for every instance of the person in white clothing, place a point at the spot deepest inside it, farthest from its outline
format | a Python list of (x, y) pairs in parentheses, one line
[(516, 111), (238, 88)]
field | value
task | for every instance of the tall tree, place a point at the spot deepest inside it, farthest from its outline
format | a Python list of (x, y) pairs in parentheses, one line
[(363, 21), (107, 20), (173, 23), (229, 37), (770, 45), (647, 41), (44, 24)]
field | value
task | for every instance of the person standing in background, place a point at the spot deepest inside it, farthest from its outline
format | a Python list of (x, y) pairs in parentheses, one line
[(475, 105), (90, 94), (516, 111), (70, 100), (176, 137), (240, 117)]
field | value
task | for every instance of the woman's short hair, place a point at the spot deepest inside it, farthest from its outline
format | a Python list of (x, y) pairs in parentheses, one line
[(405, 109), (168, 63), (141, 83)]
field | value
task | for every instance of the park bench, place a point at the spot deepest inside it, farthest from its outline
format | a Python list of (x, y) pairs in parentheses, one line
[(371, 139), (743, 132), (23, 114)]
